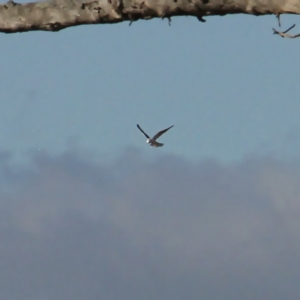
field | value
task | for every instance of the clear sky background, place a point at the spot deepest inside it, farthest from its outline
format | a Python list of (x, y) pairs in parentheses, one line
[(229, 86), (96, 213)]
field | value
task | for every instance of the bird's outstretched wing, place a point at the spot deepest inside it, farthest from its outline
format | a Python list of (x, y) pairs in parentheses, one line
[(146, 135), (161, 132)]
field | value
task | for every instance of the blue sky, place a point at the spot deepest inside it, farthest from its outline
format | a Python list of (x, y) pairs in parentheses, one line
[(229, 86)]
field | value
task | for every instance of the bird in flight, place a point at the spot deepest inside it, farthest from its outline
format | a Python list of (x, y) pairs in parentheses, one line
[(152, 141)]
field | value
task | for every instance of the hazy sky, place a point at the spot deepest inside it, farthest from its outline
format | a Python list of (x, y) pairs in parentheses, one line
[(166, 229), (98, 214)]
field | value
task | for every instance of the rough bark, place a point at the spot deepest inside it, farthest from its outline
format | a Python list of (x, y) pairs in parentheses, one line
[(59, 14)]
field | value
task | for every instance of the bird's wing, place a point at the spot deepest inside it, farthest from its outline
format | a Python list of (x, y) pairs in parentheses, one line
[(161, 132), (146, 135)]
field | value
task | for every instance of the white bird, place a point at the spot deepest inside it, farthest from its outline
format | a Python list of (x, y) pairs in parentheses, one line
[(152, 141)]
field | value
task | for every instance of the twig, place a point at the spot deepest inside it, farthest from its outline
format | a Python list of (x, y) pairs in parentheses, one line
[(284, 33), (278, 18)]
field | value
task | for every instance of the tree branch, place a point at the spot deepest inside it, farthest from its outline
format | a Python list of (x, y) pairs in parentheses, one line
[(56, 15), (284, 34)]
